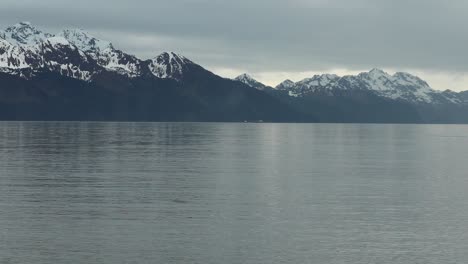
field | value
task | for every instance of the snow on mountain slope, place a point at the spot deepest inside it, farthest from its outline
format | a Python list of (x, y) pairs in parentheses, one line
[(285, 85), (85, 42), (250, 81), (315, 83), (169, 65), (59, 42), (25, 46), (24, 34), (400, 86), (104, 52), (12, 57), (319, 80), (120, 62), (52, 54), (57, 54)]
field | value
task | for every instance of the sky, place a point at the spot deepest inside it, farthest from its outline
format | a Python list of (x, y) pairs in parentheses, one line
[(274, 40)]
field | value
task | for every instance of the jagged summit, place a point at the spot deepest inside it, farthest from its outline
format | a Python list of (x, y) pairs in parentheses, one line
[(377, 71), (250, 81), (169, 65), (104, 53), (319, 80), (399, 86), (24, 34), (285, 85), (23, 46), (409, 78), (85, 41), (245, 76), (172, 56)]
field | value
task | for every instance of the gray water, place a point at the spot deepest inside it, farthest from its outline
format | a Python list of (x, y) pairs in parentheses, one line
[(233, 193)]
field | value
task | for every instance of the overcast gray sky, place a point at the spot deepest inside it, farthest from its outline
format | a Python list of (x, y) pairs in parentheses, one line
[(275, 39)]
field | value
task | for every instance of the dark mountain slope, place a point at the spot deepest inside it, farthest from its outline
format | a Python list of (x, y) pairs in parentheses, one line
[(50, 96), (353, 107)]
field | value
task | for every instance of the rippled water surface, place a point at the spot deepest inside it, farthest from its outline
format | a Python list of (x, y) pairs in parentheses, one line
[(233, 193)]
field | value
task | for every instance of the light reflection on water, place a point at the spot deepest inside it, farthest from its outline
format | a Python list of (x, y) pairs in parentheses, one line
[(232, 193)]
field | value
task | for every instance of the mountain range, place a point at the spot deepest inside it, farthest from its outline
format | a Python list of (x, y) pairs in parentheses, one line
[(72, 75)]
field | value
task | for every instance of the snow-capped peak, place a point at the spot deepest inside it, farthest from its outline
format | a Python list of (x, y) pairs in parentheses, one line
[(169, 65), (318, 81), (24, 34), (377, 71), (408, 79), (401, 86), (84, 41), (171, 57), (250, 81), (375, 74), (244, 78), (285, 85), (104, 53)]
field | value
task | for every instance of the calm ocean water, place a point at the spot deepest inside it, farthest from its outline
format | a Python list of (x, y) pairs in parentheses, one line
[(233, 193)]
